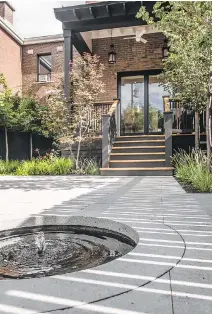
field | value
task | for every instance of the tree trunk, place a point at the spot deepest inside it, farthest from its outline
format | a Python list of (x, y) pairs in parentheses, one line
[(78, 154), (31, 146), (6, 144), (197, 130), (79, 146)]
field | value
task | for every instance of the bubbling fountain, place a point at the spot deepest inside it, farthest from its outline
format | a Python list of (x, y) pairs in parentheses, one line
[(67, 246), (40, 242)]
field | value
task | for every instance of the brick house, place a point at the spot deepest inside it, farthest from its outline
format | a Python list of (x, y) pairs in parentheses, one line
[(10, 48), (20, 59), (142, 116)]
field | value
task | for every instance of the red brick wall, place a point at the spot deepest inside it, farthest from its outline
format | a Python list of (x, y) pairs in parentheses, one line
[(29, 67), (6, 12), (131, 56), (10, 60)]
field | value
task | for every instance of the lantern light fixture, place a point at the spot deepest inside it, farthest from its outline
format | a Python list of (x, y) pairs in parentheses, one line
[(165, 49), (112, 53)]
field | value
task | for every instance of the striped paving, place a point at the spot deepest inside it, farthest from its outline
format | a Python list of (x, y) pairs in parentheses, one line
[(169, 271)]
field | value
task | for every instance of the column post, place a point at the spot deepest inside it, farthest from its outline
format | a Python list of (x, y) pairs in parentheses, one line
[(68, 56), (117, 116), (105, 140), (168, 137)]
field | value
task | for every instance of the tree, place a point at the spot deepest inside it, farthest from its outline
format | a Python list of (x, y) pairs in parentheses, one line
[(28, 117), (18, 113), (7, 114), (187, 26), (68, 120)]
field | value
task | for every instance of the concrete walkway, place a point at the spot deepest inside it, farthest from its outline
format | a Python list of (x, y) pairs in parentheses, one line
[(169, 271)]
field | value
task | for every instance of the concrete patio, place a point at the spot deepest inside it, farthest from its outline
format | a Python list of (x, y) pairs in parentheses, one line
[(169, 271)]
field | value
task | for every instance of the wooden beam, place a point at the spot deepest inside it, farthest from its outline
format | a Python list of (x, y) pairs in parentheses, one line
[(79, 43), (124, 8), (112, 22), (92, 12), (76, 14), (108, 10)]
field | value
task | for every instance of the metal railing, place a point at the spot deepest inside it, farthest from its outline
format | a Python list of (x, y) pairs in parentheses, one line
[(184, 117), (95, 117), (110, 129)]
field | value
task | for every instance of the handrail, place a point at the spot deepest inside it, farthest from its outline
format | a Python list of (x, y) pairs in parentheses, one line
[(183, 120), (105, 102), (113, 107), (110, 129)]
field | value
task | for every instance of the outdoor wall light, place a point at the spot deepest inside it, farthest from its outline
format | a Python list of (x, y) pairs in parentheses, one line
[(165, 49), (112, 53)]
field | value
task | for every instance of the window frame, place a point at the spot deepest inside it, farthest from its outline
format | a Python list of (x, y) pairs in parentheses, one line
[(38, 67)]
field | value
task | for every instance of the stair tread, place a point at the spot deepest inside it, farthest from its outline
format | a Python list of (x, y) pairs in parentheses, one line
[(131, 147), (135, 154), (145, 141), (149, 160), (124, 136), (153, 168)]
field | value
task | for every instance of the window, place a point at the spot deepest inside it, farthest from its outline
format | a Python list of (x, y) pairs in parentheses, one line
[(44, 68)]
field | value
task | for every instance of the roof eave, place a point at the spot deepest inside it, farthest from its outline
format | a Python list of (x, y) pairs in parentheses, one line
[(10, 31)]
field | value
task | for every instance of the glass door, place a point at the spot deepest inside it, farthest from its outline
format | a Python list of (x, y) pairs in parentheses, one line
[(132, 104), (156, 93), (142, 106)]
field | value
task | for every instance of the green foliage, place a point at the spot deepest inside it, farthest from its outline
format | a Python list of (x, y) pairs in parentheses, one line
[(7, 113), (19, 113), (88, 166), (48, 166), (8, 167), (134, 118), (56, 166), (29, 115), (193, 168), (67, 120), (188, 27)]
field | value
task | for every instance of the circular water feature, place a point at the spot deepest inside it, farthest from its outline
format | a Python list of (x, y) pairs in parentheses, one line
[(50, 249)]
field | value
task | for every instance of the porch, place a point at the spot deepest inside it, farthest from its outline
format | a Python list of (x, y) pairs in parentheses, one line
[(141, 115)]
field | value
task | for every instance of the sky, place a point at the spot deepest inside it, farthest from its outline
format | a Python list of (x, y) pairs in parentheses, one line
[(36, 17)]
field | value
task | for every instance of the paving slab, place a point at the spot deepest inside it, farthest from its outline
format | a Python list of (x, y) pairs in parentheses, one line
[(169, 271)]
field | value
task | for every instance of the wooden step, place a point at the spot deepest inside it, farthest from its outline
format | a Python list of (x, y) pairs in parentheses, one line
[(142, 135), (139, 143), (139, 137), (137, 163), (138, 156), (156, 171), (138, 149)]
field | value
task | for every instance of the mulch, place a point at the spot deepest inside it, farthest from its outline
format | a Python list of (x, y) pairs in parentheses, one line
[(189, 188)]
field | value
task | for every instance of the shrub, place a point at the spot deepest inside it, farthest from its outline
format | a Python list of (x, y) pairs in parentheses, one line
[(62, 166), (56, 166), (45, 166), (88, 166), (193, 168), (48, 165), (26, 168), (8, 167)]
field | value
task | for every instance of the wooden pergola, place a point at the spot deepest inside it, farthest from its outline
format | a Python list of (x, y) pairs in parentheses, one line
[(94, 16)]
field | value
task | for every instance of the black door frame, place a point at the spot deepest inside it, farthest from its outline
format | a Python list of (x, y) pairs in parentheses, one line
[(146, 74)]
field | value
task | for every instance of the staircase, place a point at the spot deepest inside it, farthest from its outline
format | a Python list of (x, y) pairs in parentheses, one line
[(139, 155)]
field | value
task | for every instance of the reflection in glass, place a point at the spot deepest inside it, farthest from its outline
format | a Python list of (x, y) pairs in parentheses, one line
[(44, 67), (156, 93), (132, 104)]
